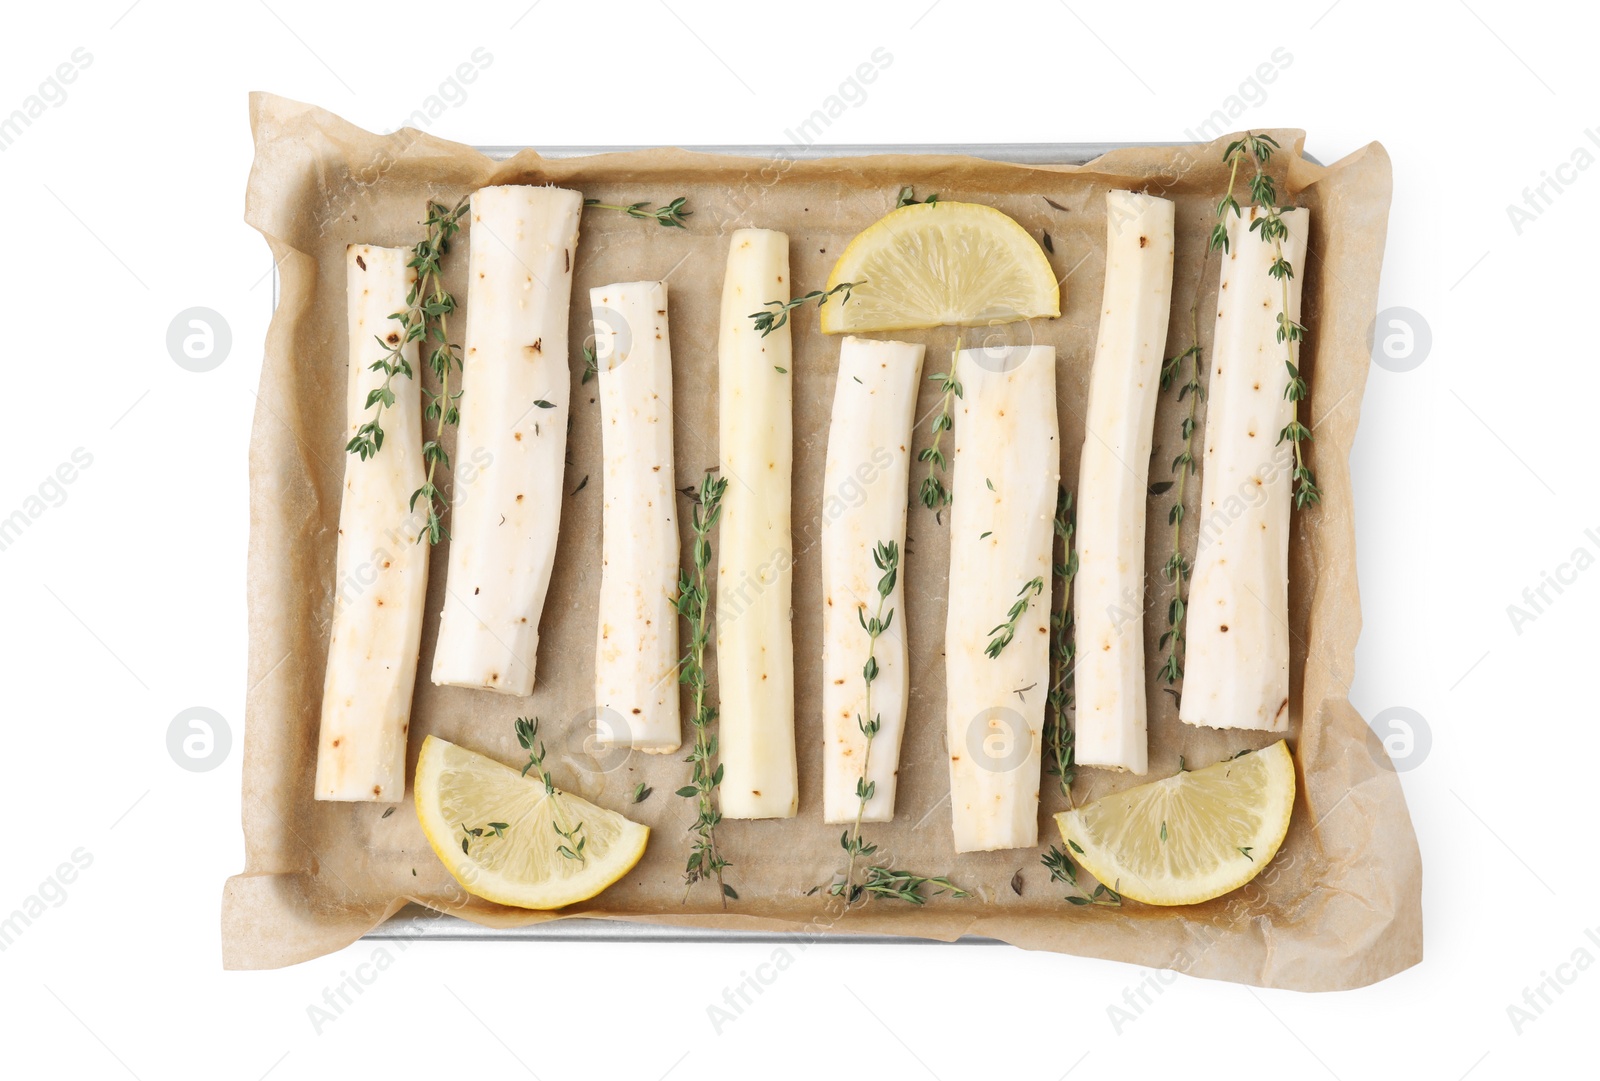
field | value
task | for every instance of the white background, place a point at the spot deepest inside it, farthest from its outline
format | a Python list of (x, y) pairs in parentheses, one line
[(125, 604)]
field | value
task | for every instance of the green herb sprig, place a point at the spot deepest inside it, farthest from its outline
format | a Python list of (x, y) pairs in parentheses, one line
[(879, 881), (421, 307), (1061, 760), (670, 216), (886, 557), (908, 198), (1002, 634), (935, 496), (1061, 869), (496, 828), (705, 858), (368, 440), (768, 321), (1178, 567), (572, 839), (905, 886), (436, 307), (1272, 229)]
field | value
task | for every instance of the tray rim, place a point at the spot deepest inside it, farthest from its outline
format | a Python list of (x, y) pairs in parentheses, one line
[(418, 922), (1018, 153)]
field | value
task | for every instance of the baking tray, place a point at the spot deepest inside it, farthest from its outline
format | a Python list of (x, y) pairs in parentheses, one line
[(418, 922)]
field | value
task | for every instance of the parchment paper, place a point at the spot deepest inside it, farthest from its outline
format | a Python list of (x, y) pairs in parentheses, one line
[(1340, 905)]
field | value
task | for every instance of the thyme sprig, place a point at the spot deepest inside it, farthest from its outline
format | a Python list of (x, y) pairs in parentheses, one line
[(368, 440), (705, 858), (1059, 742), (436, 306), (1272, 229), (879, 881), (935, 496), (886, 557), (767, 322), (1178, 566), (496, 828), (426, 257), (1061, 869), (905, 886), (907, 198), (1002, 634), (671, 215), (573, 841)]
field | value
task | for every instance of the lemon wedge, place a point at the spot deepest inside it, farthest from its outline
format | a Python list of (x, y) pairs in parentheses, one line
[(1191, 837), (516, 859), (941, 264)]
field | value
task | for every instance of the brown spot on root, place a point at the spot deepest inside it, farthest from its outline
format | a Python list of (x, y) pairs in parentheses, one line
[(336, 743), (1281, 707), (393, 338), (566, 259), (537, 346), (1224, 628), (362, 263), (377, 790), (637, 710), (1144, 241)]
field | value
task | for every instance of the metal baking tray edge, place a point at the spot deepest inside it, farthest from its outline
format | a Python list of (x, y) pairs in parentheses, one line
[(418, 922)]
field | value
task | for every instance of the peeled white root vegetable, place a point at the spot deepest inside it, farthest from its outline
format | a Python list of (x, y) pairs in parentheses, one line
[(381, 581), (1004, 484), (864, 505), (514, 414), (755, 558), (1113, 483), (1236, 672), (636, 654)]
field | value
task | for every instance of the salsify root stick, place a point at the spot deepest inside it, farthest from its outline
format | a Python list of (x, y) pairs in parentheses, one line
[(1113, 482), (636, 650), (755, 648), (381, 574), (511, 446), (863, 505), (997, 634), (1237, 670)]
